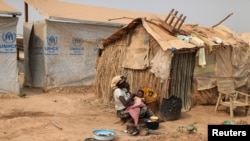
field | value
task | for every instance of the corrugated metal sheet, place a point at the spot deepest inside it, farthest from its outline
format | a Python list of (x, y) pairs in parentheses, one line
[(181, 77), (7, 9), (59, 10)]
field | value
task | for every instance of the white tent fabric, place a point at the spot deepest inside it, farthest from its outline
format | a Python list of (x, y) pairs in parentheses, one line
[(63, 54), (8, 66)]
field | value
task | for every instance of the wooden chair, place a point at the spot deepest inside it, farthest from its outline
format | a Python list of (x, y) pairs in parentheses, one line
[(229, 97)]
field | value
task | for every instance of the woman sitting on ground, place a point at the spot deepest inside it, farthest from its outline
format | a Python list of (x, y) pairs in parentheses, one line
[(123, 98)]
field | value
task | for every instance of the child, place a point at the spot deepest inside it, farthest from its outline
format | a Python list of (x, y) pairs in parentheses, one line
[(135, 109), (139, 99)]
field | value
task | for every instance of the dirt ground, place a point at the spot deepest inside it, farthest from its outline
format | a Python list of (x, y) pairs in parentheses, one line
[(72, 115)]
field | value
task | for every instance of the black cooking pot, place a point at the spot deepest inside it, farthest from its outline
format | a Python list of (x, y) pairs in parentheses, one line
[(152, 124)]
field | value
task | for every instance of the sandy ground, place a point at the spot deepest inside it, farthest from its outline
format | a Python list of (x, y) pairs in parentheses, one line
[(72, 115)]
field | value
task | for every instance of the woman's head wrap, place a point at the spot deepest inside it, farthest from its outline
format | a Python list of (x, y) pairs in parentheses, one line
[(117, 80)]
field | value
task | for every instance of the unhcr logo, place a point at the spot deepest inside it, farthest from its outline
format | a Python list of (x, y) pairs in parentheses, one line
[(38, 41), (9, 37), (51, 40), (77, 41)]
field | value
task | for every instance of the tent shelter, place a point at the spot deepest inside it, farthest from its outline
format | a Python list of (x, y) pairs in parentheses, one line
[(8, 66), (62, 49), (186, 64)]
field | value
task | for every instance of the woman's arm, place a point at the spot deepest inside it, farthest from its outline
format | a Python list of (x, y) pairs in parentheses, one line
[(128, 102)]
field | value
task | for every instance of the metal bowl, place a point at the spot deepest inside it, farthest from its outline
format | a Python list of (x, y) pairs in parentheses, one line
[(104, 134)]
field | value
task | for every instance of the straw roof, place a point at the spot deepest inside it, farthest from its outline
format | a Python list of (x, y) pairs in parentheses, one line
[(245, 37), (228, 36)]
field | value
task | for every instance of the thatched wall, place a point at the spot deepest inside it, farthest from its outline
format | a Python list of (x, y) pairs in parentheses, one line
[(110, 65), (204, 97), (209, 96)]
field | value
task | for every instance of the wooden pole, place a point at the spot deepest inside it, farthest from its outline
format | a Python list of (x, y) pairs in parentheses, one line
[(182, 21), (223, 20), (176, 23), (26, 15), (170, 13), (173, 17)]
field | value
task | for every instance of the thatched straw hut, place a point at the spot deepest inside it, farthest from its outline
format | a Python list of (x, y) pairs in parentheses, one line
[(186, 64)]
